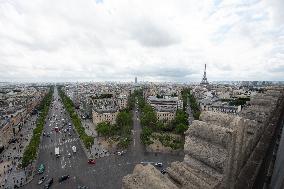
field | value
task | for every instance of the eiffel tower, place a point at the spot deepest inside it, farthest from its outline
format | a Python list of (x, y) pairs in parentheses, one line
[(204, 79)]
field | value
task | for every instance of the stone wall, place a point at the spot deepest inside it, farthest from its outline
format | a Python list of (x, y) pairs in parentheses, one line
[(222, 151)]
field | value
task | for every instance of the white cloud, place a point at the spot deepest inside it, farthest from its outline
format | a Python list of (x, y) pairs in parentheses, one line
[(155, 40)]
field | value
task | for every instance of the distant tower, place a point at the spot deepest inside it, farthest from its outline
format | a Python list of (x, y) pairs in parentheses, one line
[(135, 79), (204, 79)]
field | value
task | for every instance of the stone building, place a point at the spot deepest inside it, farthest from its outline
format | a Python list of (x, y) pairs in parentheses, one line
[(165, 107), (221, 150), (104, 109), (222, 108), (6, 133), (104, 115), (165, 116), (121, 101)]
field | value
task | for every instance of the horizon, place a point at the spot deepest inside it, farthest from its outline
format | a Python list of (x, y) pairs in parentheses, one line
[(106, 40)]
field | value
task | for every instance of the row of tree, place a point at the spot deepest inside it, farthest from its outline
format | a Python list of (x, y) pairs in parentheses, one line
[(69, 106), (31, 150), (188, 97)]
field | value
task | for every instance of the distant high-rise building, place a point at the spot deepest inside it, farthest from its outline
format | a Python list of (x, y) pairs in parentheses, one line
[(204, 79), (135, 79)]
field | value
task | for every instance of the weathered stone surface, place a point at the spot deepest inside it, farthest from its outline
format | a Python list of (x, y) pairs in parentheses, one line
[(217, 118), (206, 152), (218, 135), (147, 177), (202, 168), (221, 149)]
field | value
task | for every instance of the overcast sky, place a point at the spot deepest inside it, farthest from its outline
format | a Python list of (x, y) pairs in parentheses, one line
[(155, 40)]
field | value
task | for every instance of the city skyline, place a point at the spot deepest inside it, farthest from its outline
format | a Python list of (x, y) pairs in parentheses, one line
[(155, 41)]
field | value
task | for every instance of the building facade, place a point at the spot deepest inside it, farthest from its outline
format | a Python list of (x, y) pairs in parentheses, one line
[(104, 116)]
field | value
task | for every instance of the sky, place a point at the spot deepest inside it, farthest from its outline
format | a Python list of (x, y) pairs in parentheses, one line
[(155, 40)]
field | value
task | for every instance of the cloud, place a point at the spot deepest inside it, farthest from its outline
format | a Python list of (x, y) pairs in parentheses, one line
[(165, 40), (152, 35)]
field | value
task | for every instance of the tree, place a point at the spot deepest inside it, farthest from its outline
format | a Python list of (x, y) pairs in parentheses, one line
[(123, 118), (103, 128), (181, 128), (148, 118), (145, 136), (181, 117)]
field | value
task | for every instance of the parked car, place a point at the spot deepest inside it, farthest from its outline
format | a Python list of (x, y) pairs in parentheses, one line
[(63, 178), (74, 149), (163, 171), (41, 180), (82, 187), (49, 183), (92, 161), (41, 169), (159, 164)]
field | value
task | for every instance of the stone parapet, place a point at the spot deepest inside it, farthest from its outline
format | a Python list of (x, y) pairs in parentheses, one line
[(221, 150), (219, 135), (217, 118)]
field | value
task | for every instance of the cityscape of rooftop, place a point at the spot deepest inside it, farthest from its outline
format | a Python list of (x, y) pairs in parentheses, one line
[(105, 94)]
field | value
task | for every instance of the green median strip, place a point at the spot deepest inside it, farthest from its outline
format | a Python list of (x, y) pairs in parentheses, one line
[(31, 150), (69, 106)]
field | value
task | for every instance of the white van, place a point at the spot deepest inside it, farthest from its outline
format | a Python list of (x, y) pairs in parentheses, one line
[(57, 153)]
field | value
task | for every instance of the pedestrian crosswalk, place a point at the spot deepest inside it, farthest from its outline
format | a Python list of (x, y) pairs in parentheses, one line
[(47, 146)]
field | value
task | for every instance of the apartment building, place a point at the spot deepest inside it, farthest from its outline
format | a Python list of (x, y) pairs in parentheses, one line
[(165, 107)]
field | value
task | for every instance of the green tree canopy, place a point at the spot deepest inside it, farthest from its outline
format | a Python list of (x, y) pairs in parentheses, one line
[(103, 128), (181, 128)]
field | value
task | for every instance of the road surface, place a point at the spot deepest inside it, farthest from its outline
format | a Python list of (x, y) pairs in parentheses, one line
[(108, 171)]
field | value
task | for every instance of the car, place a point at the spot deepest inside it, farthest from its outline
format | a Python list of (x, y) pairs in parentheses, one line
[(56, 129), (69, 155), (92, 161), (41, 180), (82, 187), (49, 183), (14, 140), (119, 153), (41, 168), (159, 164), (163, 171), (74, 149), (65, 130), (63, 178), (57, 153)]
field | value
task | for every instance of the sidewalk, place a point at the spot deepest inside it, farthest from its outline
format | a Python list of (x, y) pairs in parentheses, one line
[(12, 175), (97, 150)]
